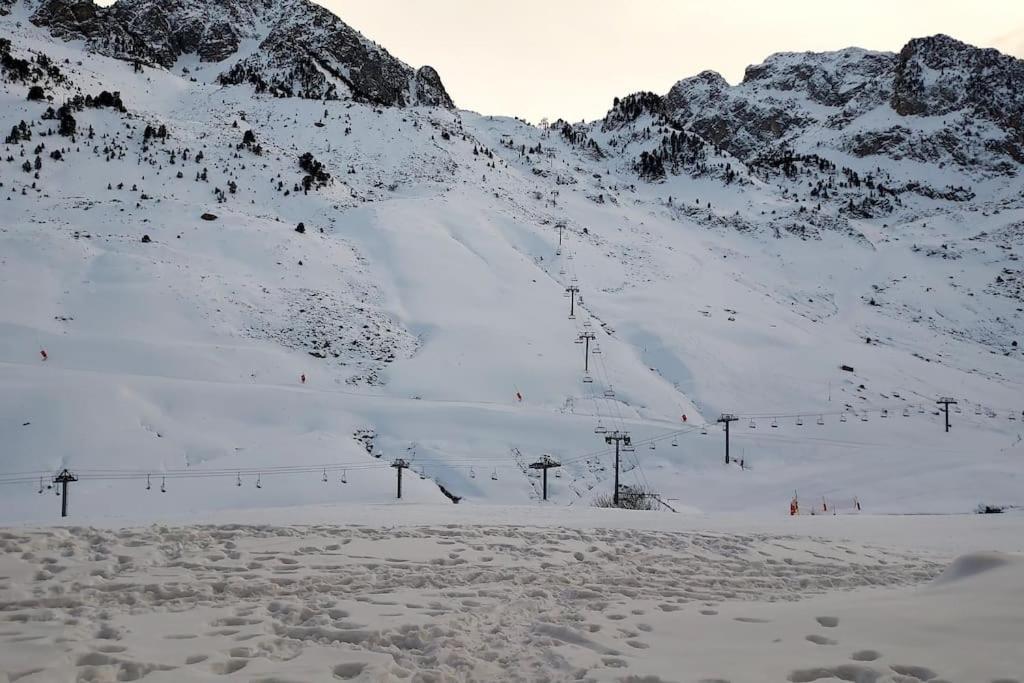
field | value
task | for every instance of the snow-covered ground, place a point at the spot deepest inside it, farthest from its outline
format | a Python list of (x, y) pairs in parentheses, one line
[(231, 393), (387, 592)]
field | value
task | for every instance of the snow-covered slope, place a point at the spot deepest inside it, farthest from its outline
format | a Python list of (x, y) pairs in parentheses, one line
[(420, 311)]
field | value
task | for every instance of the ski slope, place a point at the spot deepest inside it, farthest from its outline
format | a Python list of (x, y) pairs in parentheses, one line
[(427, 291)]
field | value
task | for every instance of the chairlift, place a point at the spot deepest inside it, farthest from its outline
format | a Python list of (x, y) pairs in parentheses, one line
[(596, 349), (864, 416), (821, 420), (259, 481), (561, 271), (885, 412), (422, 473), (587, 379), (324, 478), (238, 479), (977, 410), (494, 475), (40, 484), (558, 473), (587, 324), (609, 393), (675, 441), (344, 476), (558, 252), (579, 341), (775, 423), (752, 425), (653, 446), (472, 472), (920, 410), (906, 412), (163, 484), (148, 485), (628, 448), (842, 417), (600, 429), (799, 421), (579, 300), (957, 410), (704, 430)]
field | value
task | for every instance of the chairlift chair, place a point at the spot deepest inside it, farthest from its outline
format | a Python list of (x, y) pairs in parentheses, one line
[(40, 484), (842, 417), (472, 473), (821, 420), (558, 473), (920, 410), (653, 446), (344, 477), (238, 479), (775, 423), (628, 448), (977, 410), (675, 441), (596, 349), (494, 475), (799, 421), (906, 412), (885, 412), (163, 485), (864, 416), (609, 393), (704, 430), (752, 425), (587, 379), (259, 481), (324, 478), (148, 484), (600, 429)]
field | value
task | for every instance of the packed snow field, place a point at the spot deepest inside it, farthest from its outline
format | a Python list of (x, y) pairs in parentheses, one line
[(588, 596)]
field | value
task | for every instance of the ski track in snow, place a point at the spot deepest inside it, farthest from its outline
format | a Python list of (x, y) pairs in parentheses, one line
[(445, 602)]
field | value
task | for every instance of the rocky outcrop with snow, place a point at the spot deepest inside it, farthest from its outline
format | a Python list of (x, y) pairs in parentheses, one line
[(285, 47), (939, 101)]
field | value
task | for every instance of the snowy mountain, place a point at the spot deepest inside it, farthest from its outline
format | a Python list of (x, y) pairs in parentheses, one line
[(255, 247), (287, 48)]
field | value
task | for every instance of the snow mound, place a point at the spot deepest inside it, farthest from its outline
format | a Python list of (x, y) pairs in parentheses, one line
[(971, 564)]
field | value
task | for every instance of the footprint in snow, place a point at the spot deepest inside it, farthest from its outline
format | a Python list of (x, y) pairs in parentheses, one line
[(828, 622)]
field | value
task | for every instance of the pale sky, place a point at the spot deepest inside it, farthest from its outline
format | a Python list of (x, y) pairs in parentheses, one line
[(569, 58)]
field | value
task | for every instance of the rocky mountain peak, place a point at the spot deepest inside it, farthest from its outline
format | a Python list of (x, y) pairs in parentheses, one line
[(304, 50)]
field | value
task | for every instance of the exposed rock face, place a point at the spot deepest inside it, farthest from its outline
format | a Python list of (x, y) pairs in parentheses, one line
[(863, 103), (939, 75), (303, 49)]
